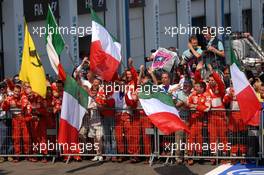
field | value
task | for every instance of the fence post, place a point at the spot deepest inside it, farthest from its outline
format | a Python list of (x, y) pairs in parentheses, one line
[(156, 146), (57, 131), (261, 134)]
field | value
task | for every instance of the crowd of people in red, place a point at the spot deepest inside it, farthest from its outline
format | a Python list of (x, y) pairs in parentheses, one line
[(115, 119)]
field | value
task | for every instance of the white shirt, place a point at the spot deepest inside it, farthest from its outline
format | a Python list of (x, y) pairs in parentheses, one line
[(171, 87), (120, 103), (86, 83)]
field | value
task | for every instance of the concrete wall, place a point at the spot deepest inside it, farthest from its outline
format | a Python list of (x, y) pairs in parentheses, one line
[(171, 13)]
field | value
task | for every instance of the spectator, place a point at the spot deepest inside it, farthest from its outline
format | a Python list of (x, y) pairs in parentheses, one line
[(19, 123), (261, 91), (106, 104), (226, 77), (166, 86), (199, 101), (215, 51), (236, 126), (127, 123), (145, 81), (83, 74), (259, 84), (5, 126), (217, 125), (95, 123), (35, 113), (193, 54), (181, 101)]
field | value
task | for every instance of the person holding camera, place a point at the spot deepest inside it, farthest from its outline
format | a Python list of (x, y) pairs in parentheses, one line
[(193, 54), (214, 54), (83, 74)]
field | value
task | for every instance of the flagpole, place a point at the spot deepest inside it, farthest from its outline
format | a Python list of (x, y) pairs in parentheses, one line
[(123, 64), (127, 29), (69, 54)]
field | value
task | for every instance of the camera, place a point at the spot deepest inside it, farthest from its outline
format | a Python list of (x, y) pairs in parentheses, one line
[(149, 59), (3, 84)]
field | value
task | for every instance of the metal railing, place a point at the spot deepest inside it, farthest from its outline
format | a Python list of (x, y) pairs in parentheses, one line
[(217, 134), (19, 136)]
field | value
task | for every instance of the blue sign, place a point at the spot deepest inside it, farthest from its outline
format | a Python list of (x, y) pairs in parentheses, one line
[(239, 169)]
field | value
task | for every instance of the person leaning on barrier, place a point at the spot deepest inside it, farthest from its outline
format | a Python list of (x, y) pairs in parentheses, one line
[(144, 80), (19, 122), (91, 124), (27, 97), (199, 101), (167, 87), (32, 104), (95, 122), (106, 104), (217, 121), (5, 126), (127, 123), (181, 100), (217, 125), (236, 126)]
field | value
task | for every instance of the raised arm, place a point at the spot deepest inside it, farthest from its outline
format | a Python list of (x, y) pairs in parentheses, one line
[(218, 79), (132, 70), (141, 73), (154, 79), (197, 74)]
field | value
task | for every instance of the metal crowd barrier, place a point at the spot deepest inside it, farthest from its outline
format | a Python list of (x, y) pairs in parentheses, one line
[(118, 135), (216, 134), (219, 132), (222, 135), (18, 138), (261, 135)]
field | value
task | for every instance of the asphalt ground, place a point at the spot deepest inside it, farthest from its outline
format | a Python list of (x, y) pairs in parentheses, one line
[(104, 168)]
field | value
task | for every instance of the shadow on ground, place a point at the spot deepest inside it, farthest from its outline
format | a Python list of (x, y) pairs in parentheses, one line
[(179, 169), (3, 172), (84, 167)]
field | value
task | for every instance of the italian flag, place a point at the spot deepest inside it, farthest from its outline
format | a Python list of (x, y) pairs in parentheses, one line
[(245, 94), (105, 51), (74, 104), (160, 109), (54, 43)]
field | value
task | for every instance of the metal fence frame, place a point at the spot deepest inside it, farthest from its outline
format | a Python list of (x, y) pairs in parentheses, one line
[(53, 132), (156, 154)]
